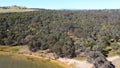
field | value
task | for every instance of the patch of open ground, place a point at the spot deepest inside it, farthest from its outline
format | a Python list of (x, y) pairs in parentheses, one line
[(76, 63), (116, 62), (15, 10)]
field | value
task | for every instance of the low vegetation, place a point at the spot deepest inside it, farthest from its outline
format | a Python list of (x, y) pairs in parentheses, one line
[(24, 61)]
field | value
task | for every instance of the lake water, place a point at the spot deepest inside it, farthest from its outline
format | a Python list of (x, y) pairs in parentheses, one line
[(13, 61)]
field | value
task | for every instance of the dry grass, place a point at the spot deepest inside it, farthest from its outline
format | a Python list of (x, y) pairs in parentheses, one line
[(5, 48), (43, 62), (80, 58), (112, 53), (14, 53), (15, 10), (14, 49)]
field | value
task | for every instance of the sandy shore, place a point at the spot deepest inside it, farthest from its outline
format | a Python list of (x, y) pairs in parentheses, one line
[(76, 63), (113, 58), (73, 62), (83, 64)]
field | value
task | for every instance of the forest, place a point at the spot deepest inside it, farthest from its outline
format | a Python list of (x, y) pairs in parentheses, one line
[(67, 33)]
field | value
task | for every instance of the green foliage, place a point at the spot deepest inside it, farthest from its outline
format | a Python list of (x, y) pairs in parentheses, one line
[(48, 29), (14, 50)]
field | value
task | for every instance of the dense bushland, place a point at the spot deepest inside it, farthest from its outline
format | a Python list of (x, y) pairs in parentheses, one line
[(66, 33)]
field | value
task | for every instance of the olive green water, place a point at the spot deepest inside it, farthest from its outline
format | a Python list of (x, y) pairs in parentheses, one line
[(7, 61)]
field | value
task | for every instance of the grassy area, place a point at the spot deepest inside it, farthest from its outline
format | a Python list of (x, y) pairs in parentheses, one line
[(5, 48), (14, 49), (15, 10), (10, 60), (80, 58), (13, 53), (112, 53)]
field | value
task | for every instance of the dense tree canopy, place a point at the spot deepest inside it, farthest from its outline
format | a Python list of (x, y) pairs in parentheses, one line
[(60, 31)]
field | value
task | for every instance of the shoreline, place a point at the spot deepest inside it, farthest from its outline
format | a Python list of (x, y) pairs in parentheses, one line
[(66, 62), (39, 57)]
